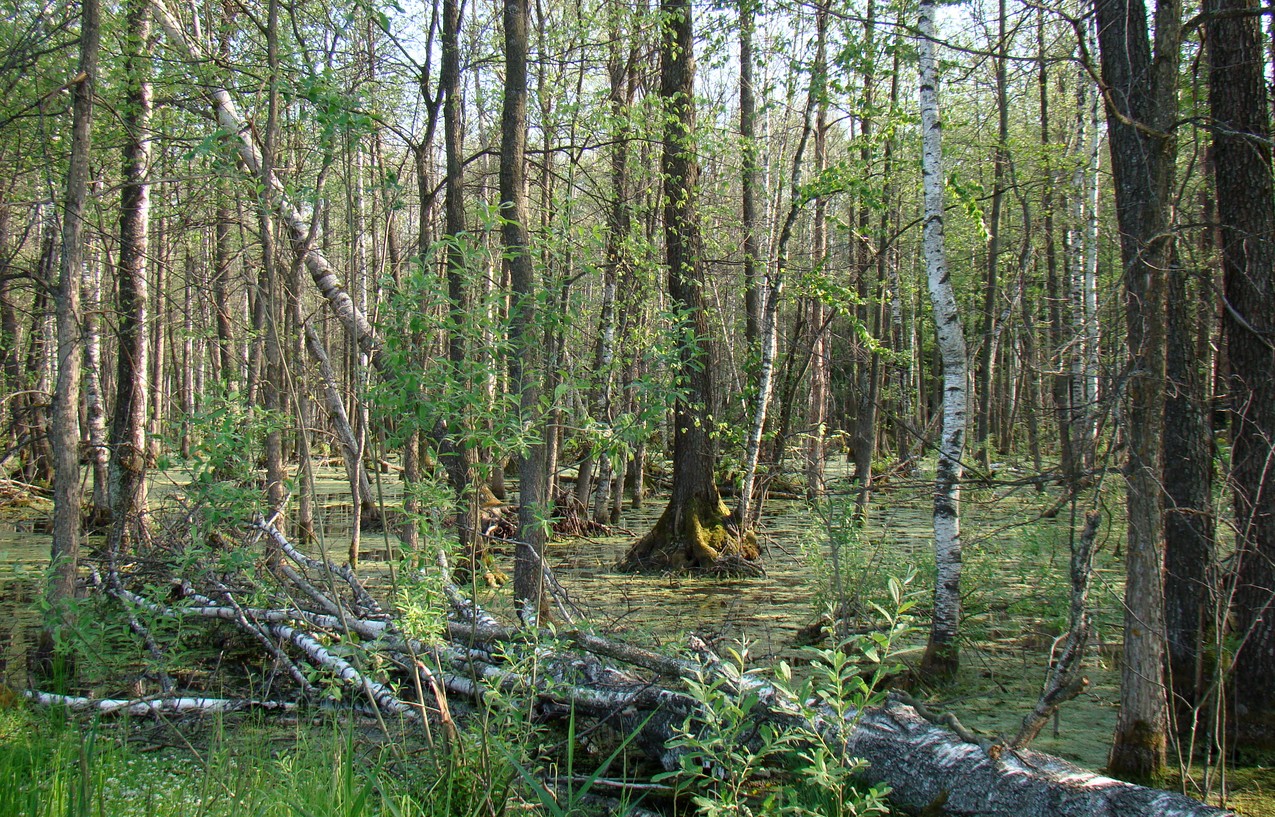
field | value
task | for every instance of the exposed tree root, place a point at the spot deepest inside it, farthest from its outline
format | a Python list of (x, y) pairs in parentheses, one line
[(696, 535)]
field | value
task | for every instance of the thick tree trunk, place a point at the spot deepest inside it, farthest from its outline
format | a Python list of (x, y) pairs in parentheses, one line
[(128, 423), (1246, 210), (941, 654), (533, 500), (693, 531), (929, 767), (1188, 486), (1141, 112), (932, 771)]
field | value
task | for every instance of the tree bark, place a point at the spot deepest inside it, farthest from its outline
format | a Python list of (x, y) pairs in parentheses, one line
[(693, 530), (65, 432), (533, 502), (1246, 210), (1188, 486), (941, 653), (750, 176), (128, 423), (1141, 110)]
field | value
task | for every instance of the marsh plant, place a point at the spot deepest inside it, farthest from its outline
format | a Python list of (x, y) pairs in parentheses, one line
[(737, 763), (852, 570)]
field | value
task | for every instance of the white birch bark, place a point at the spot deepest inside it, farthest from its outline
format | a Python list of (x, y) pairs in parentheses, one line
[(1090, 277), (296, 222), (941, 654), (94, 401)]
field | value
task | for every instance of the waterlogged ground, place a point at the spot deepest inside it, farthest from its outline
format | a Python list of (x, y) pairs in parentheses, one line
[(1015, 596)]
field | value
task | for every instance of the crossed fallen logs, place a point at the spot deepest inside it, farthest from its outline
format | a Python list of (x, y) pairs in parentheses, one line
[(321, 614)]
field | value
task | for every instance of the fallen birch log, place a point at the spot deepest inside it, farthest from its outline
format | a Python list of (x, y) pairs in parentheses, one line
[(928, 765), (155, 706), (581, 674)]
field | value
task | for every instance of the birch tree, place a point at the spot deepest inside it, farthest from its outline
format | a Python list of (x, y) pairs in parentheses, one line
[(941, 653)]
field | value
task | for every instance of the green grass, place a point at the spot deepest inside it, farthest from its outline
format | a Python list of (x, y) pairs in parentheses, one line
[(54, 766)]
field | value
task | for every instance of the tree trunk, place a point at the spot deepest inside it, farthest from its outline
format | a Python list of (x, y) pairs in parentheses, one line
[(65, 433), (816, 444), (1141, 111), (941, 653), (991, 294), (749, 509), (461, 458), (1246, 210), (95, 394), (1188, 487), (693, 531), (128, 423), (750, 176), (533, 502), (272, 380)]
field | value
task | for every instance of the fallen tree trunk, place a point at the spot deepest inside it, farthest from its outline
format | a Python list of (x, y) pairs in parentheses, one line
[(317, 617), (928, 765)]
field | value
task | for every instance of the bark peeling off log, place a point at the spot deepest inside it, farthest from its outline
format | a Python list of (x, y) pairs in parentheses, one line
[(926, 764)]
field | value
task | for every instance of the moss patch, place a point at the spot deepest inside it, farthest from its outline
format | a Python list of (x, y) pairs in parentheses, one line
[(696, 535)]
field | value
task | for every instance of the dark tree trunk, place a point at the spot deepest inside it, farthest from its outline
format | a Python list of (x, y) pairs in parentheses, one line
[(693, 531), (1188, 513), (272, 380), (128, 424), (533, 510), (65, 432), (1141, 109), (750, 180), (459, 456), (1246, 210)]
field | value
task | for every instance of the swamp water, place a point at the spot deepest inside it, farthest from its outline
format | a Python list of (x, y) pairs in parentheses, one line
[(1015, 578)]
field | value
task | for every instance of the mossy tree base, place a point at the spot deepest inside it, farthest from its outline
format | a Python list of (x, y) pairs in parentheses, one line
[(1138, 755), (940, 663), (698, 534)]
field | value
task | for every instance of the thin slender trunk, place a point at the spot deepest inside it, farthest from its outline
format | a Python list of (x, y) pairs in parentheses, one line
[(66, 405), (749, 508), (816, 449), (941, 653), (95, 394), (750, 179), (271, 382), (991, 294)]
